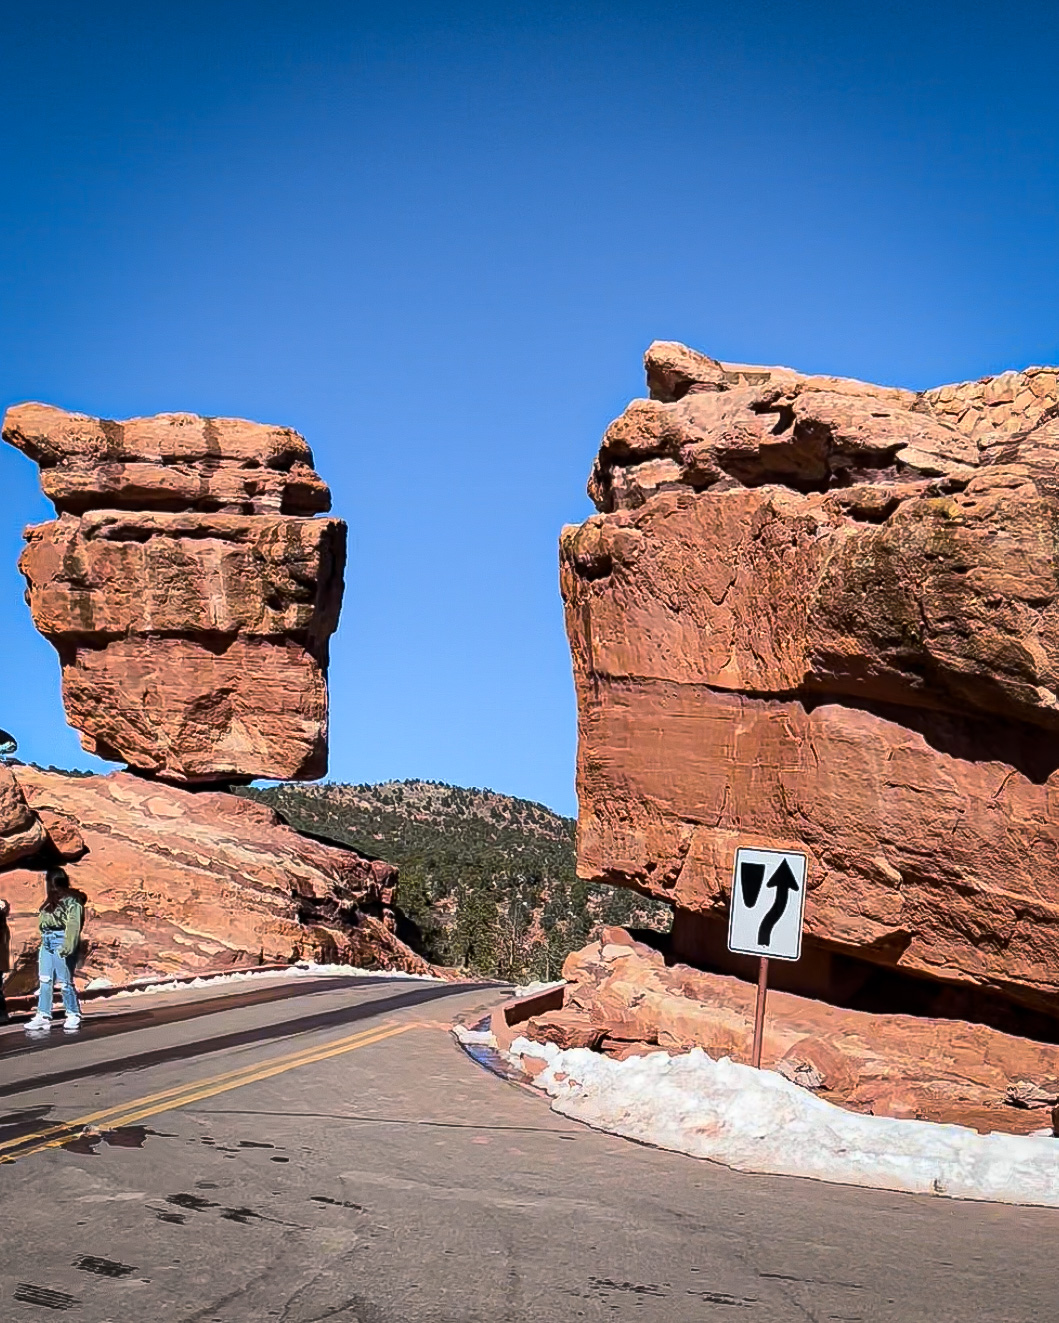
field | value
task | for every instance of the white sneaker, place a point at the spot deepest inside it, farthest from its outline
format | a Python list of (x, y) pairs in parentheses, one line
[(39, 1021), (71, 1024)]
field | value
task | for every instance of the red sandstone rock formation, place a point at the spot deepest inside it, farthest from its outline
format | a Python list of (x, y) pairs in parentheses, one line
[(820, 613), (186, 589), (21, 832), (190, 596), (623, 1000), (178, 882)]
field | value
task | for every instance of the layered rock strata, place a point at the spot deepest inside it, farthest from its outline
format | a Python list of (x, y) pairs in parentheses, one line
[(178, 882), (187, 588), (818, 613), (622, 999)]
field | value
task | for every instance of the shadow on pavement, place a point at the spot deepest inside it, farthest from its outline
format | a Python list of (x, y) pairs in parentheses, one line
[(23, 1122), (99, 1023), (221, 1042)]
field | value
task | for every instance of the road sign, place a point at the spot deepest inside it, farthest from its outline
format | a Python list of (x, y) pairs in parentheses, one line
[(765, 917), (768, 901)]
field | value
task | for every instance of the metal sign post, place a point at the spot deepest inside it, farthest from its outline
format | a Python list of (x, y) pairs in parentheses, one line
[(765, 916), (759, 1012)]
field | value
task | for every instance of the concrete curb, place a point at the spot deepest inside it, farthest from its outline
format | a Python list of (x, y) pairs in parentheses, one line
[(504, 1024), (505, 1020)]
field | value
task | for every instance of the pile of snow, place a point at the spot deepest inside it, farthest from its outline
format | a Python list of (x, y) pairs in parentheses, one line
[(348, 971), (473, 1037), (531, 989), (304, 968), (755, 1120)]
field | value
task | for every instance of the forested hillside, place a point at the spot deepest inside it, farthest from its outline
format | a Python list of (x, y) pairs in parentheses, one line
[(487, 881)]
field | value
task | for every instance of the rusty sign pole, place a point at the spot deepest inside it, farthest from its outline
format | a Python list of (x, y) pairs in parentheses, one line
[(759, 1014)]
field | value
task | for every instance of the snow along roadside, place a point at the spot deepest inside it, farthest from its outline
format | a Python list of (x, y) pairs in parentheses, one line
[(757, 1121), (305, 969)]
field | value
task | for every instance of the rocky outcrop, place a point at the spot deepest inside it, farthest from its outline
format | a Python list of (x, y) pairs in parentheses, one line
[(191, 595), (187, 589), (818, 613), (178, 881), (21, 831), (622, 999)]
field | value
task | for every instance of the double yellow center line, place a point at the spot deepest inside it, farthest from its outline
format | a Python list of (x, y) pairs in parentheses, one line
[(181, 1095)]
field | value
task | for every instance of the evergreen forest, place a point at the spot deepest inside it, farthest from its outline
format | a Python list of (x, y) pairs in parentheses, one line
[(487, 881)]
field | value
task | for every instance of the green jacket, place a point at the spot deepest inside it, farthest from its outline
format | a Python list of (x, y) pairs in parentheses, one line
[(67, 918)]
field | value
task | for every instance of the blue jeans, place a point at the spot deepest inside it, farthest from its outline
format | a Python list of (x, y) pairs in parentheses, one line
[(56, 971)]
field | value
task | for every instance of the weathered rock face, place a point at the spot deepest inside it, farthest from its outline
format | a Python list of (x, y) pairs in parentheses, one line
[(21, 833), (622, 999), (186, 590), (174, 461), (819, 613), (178, 882)]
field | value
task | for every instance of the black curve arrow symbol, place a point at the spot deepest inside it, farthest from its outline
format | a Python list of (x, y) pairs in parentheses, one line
[(751, 877), (784, 882)]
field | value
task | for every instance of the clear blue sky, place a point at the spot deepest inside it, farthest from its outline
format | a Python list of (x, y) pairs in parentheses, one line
[(437, 238)]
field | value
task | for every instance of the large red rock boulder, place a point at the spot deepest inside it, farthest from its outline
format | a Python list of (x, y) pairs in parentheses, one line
[(179, 881), (186, 589), (817, 613), (21, 832)]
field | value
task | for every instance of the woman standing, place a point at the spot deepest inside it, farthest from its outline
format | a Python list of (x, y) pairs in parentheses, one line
[(60, 920)]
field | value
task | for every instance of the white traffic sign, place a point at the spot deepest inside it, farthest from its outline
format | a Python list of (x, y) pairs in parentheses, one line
[(768, 901)]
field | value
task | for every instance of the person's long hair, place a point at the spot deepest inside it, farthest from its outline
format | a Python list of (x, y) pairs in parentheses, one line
[(57, 883)]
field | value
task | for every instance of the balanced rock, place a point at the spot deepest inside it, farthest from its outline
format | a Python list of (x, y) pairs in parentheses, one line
[(823, 614), (187, 589), (179, 882)]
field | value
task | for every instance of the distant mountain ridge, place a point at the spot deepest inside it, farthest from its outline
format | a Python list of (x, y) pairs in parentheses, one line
[(487, 881), (437, 804)]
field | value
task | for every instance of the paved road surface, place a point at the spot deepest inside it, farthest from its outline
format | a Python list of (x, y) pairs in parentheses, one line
[(317, 1151)]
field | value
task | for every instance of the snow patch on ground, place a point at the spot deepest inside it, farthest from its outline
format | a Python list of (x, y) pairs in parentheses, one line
[(757, 1121), (345, 971), (303, 969), (531, 989), (473, 1037)]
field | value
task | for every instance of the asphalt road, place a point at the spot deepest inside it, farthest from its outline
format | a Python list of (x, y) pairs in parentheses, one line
[(323, 1151)]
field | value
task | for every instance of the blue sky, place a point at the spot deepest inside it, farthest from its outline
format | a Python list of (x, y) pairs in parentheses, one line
[(436, 239)]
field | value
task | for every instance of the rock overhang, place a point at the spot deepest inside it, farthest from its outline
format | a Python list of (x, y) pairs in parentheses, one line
[(821, 612)]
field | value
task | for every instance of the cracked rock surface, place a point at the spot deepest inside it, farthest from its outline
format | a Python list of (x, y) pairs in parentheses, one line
[(187, 588), (818, 613)]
